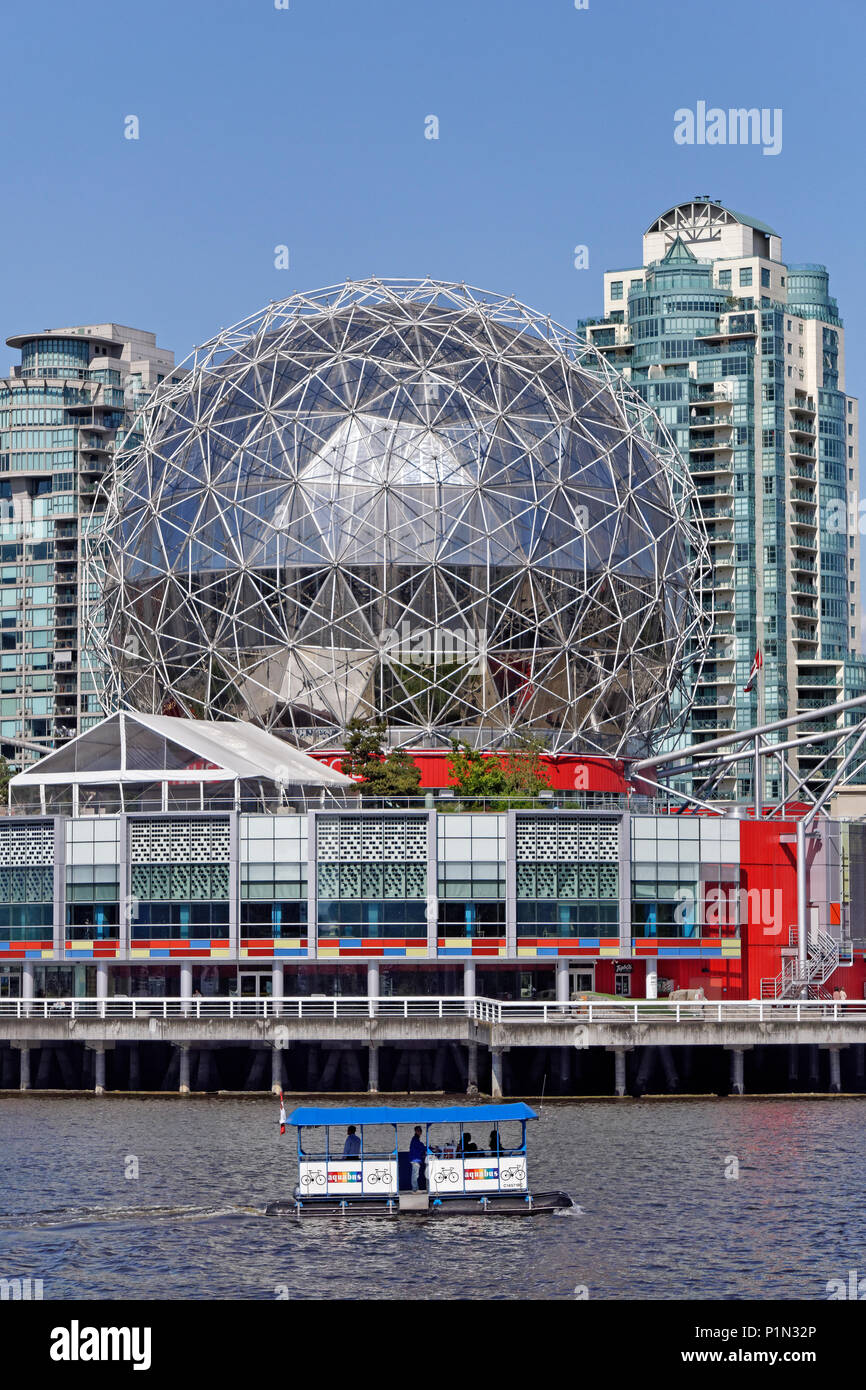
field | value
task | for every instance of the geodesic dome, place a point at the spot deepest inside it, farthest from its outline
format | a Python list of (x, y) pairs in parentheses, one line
[(409, 500)]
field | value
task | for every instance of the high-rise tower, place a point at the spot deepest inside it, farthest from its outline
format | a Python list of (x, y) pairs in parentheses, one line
[(62, 412), (742, 356)]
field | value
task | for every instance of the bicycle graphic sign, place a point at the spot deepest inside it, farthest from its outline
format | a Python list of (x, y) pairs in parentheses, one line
[(380, 1176), (376, 1177), (481, 1173)]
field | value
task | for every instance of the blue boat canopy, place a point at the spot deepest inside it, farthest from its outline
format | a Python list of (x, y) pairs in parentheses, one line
[(408, 1114)]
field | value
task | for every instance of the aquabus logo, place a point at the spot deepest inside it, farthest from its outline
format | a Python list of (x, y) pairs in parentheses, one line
[(77, 1343)]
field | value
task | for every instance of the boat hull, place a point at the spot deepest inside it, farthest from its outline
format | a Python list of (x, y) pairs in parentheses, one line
[(497, 1204)]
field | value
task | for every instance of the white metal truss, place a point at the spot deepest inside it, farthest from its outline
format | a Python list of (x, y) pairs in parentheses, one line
[(697, 221), (404, 499)]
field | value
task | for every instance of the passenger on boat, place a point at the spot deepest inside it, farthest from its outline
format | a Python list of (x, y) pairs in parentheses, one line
[(417, 1156), (494, 1147), (352, 1146), (468, 1147)]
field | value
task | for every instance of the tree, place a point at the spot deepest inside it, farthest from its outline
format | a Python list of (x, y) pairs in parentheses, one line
[(525, 773), (5, 774), (516, 776), (378, 773), (475, 775)]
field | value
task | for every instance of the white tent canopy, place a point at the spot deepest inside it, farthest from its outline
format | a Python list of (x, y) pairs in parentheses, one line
[(131, 750)]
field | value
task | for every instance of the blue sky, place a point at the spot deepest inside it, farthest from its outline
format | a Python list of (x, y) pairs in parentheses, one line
[(305, 127)]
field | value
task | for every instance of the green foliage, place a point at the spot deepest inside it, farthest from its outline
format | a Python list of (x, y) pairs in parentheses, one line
[(380, 774), (514, 778), (5, 774), (525, 773)]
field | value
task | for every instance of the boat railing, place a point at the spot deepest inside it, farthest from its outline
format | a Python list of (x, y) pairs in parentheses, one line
[(478, 1008)]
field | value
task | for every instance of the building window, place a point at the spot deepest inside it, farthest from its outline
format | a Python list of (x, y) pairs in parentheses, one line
[(765, 278), (745, 276), (724, 279), (616, 289)]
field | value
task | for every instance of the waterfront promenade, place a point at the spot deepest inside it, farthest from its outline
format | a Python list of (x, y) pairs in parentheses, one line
[(468, 1026)]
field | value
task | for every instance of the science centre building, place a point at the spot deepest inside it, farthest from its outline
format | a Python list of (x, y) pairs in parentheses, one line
[(405, 500)]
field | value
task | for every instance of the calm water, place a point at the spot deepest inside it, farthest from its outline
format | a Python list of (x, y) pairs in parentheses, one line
[(659, 1219)]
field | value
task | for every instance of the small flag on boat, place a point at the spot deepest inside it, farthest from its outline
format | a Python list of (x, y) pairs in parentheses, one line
[(753, 674), (282, 1115)]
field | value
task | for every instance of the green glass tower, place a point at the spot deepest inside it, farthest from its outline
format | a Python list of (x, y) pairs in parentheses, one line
[(742, 356), (63, 410)]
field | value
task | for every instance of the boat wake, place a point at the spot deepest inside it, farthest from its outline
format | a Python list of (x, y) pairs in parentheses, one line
[(90, 1216)]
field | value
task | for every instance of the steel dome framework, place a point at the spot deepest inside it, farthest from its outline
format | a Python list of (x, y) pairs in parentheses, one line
[(403, 499)]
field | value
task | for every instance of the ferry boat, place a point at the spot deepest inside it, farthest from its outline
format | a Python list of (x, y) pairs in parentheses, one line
[(356, 1160)]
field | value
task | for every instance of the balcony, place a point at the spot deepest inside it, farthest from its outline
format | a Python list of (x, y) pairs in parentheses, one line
[(736, 329), (710, 465), (712, 398), (817, 725), (822, 677), (708, 443), (618, 342), (707, 422), (714, 490)]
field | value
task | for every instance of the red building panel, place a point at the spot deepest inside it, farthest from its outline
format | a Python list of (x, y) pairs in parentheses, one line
[(567, 772)]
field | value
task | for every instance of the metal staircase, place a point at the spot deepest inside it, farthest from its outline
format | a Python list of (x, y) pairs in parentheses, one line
[(822, 959)]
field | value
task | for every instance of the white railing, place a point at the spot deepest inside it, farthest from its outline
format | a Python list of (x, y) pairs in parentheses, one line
[(481, 1010)]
